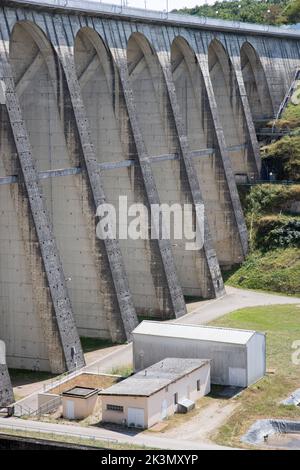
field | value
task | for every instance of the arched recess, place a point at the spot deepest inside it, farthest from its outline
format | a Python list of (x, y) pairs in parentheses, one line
[(112, 137), (256, 85), (230, 110), (28, 320), (156, 122), (46, 105), (21, 327), (199, 128)]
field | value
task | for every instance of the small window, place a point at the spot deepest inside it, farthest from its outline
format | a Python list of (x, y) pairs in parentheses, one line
[(175, 398), (198, 386), (115, 408)]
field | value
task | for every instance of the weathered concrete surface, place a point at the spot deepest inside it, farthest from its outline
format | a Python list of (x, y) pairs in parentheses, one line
[(60, 332), (97, 106), (114, 142), (200, 126), (6, 390)]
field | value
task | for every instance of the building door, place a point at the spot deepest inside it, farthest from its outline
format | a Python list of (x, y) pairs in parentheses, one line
[(135, 417), (164, 409), (70, 409)]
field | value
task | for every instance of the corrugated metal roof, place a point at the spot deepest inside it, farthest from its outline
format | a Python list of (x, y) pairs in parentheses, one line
[(200, 332), (155, 377)]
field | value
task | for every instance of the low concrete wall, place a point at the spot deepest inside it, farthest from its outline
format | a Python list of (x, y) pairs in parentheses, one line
[(48, 402), (26, 443)]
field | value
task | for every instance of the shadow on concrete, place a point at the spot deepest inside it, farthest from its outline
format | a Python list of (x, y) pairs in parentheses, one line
[(120, 429), (225, 392)]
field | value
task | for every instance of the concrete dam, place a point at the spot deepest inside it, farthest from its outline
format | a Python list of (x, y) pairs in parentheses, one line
[(97, 102)]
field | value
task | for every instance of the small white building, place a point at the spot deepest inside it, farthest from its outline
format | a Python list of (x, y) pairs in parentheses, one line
[(238, 357), (159, 391), (79, 402)]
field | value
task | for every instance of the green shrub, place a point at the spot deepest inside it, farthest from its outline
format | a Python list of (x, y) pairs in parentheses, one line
[(253, 11), (285, 235), (277, 232), (270, 198), (287, 152), (292, 12), (266, 224), (290, 118), (292, 114)]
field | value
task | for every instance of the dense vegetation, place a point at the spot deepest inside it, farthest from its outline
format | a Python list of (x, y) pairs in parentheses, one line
[(283, 156), (271, 218), (275, 270), (274, 237), (252, 11)]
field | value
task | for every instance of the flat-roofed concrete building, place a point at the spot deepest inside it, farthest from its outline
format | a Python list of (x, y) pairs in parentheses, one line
[(238, 357), (79, 402), (159, 391)]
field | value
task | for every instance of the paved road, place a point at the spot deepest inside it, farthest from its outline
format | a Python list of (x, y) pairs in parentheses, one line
[(204, 312), (140, 439)]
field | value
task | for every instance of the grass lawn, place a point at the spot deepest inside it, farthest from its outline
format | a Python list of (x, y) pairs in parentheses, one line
[(124, 371), (92, 344), (276, 270), (261, 400), (21, 376)]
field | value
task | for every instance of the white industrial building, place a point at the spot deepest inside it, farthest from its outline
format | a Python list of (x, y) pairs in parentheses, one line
[(238, 357)]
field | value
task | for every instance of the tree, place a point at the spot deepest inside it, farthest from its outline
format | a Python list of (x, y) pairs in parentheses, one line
[(251, 11), (292, 12)]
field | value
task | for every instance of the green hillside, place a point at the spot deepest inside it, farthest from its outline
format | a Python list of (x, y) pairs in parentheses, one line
[(253, 11), (273, 263)]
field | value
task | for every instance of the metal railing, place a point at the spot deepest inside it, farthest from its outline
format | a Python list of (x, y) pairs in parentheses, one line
[(48, 407), (55, 382), (36, 430), (20, 406), (272, 131), (22, 410), (257, 182)]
